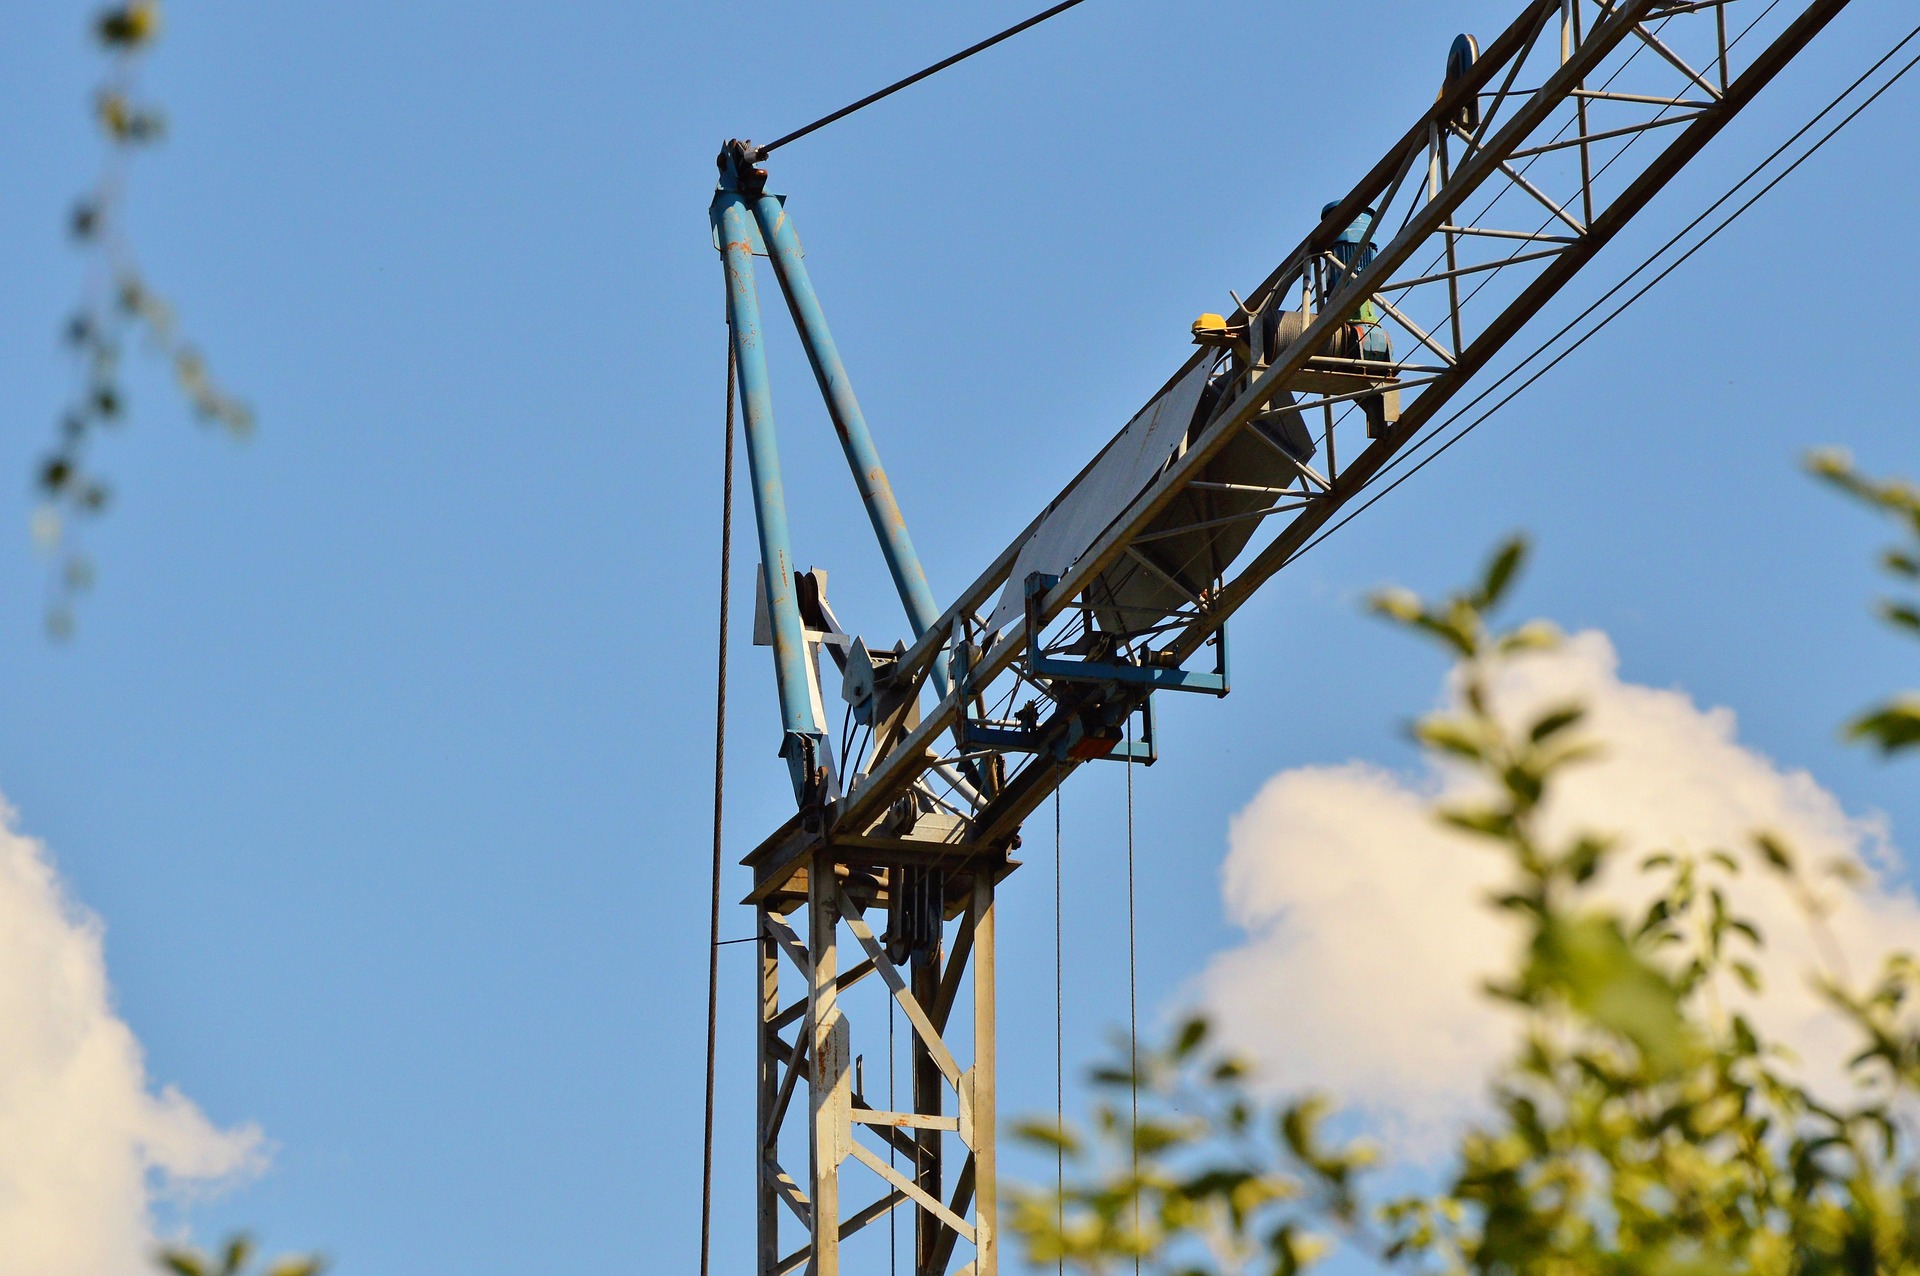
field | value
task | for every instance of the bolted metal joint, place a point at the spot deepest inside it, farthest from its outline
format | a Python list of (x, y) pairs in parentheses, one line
[(736, 162)]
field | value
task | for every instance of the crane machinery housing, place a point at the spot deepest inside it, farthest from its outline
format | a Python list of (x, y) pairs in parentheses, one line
[(1537, 150)]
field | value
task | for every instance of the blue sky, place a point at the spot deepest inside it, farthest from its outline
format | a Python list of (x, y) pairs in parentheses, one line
[(384, 748)]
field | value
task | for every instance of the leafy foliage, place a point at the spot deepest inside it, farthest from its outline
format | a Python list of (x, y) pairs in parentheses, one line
[(1895, 725), (1641, 1126), (233, 1259), (117, 308)]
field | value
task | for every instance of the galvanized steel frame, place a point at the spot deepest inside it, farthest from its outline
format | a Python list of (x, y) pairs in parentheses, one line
[(956, 973)]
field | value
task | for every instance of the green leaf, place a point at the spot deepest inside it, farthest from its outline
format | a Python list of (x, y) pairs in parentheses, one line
[(1556, 721), (1230, 1069), (1892, 727), (128, 26), (305, 1266), (1774, 851), (1462, 637), (1585, 857), (1591, 963), (183, 1262), (1501, 571), (238, 1252), (1191, 1034), (1402, 605), (1299, 1123), (1901, 615), (1535, 635), (1449, 735), (1151, 1137), (1483, 820), (1524, 783), (1657, 914), (1045, 1133)]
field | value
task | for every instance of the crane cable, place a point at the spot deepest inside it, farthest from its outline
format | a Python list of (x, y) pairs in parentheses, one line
[(1133, 1016), (1059, 1055), (1641, 292), (719, 793), (916, 77)]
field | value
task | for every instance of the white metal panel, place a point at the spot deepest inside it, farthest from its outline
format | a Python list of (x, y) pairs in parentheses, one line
[(1103, 493)]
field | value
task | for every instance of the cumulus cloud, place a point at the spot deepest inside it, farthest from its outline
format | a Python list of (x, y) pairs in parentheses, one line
[(86, 1145), (1368, 936)]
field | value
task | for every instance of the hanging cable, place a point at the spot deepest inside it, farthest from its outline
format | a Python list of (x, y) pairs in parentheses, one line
[(893, 1216), (1059, 1052), (719, 807), (1615, 290), (1133, 1010), (916, 77)]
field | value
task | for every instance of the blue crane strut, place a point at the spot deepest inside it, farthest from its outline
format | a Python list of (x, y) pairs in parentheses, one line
[(743, 187)]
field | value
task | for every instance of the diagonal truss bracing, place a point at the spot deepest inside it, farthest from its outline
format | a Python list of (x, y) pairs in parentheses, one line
[(901, 1154)]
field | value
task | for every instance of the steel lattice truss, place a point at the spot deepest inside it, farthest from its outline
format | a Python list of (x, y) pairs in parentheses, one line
[(1537, 153)]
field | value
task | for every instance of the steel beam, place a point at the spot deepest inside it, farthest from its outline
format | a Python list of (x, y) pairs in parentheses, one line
[(804, 741), (849, 422), (942, 984)]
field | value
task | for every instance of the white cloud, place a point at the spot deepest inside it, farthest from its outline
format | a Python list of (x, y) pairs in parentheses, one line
[(1367, 932), (85, 1144)]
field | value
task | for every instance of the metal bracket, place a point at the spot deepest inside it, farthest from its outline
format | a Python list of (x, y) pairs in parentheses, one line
[(1088, 738), (1169, 678)]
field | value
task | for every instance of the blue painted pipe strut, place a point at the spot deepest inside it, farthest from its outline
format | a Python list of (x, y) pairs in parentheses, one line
[(735, 224), (850, 423)]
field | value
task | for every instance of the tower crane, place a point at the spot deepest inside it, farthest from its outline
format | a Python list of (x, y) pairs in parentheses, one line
[(1539, 148)]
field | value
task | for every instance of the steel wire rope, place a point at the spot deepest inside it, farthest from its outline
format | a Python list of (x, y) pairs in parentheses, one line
[(719, 807), (893, 1215), (916, 77), (1133, 1015), (1643, 291), (1060, 1056)]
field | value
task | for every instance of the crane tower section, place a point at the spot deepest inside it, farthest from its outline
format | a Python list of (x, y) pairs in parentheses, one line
[(1539, 147)]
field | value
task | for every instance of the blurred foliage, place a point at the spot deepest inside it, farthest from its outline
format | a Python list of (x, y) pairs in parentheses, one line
[(234, 1259), (1895, 725), (117, 309), (1640, 1127)]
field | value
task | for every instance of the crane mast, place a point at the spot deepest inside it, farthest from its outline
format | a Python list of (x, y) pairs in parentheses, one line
[(1537, 151)]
